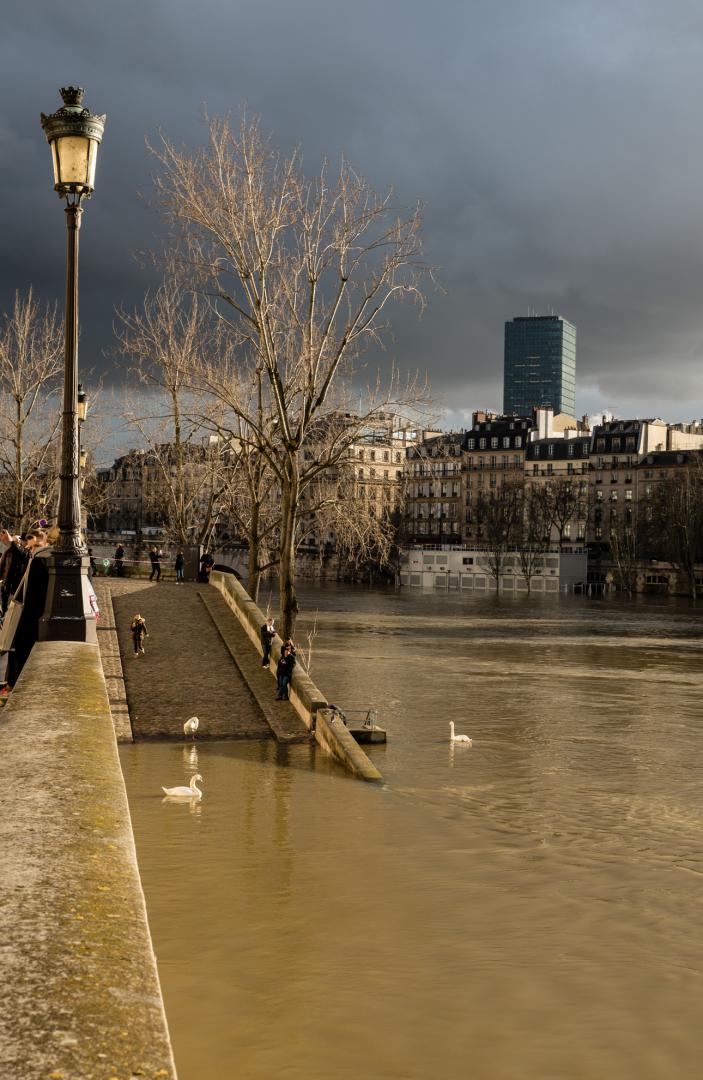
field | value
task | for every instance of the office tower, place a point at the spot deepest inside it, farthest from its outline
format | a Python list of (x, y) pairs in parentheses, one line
[(540, 364)]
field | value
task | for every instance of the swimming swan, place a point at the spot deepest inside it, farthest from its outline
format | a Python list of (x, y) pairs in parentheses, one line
[(191, 726), (458, 738), (192, 792)]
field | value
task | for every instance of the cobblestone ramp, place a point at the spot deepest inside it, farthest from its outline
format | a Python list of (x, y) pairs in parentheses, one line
[(186, 671)]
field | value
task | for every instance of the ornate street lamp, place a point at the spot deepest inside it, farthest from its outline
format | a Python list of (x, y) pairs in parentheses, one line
[(74, 135)]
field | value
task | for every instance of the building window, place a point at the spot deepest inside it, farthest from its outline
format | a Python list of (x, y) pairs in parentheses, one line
[(482, 444), (518, 441), (506, 441), (628, 495), (494, 443), (471, 444)]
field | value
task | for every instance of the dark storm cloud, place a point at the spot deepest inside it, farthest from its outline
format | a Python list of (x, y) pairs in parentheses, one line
[(555, 147)]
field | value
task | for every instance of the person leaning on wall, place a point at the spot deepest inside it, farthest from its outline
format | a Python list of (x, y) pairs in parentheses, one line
[(12, 566), (34, 599)]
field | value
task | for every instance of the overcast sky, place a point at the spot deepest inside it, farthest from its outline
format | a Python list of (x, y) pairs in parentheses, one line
[(556, 146)]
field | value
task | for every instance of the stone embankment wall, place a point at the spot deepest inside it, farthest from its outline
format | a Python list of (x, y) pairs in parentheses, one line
[(81, 990), (305, 697)]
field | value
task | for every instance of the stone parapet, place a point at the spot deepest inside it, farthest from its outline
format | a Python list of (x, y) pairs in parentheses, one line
[(81, 990), (305, 697)]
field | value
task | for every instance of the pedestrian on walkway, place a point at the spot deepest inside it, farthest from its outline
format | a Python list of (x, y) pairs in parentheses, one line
[(12, 566), (92, 566), (284, 671), (268, 633), (207, 561), (180, 565), (119, 560), (155, 555), (139, 632)]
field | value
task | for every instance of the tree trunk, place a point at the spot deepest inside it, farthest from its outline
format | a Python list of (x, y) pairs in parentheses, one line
[(253, 572), (286, 574)]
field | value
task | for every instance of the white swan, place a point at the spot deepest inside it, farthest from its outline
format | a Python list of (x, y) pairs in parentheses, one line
[(191, 726), (192, 792), (458, 738)]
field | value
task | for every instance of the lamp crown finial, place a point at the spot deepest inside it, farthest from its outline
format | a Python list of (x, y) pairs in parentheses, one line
[(72, 95)]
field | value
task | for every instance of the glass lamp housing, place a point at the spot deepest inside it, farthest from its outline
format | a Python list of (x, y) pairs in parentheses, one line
[(74, 135)]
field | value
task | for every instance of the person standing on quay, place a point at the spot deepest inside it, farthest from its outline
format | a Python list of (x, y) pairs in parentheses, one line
[(179, 567), (139, 632), (119, 560), (284, 671), (268, 633), (207, 561), (155, 557)]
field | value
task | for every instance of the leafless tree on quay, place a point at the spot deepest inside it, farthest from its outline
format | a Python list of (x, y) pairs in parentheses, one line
[(302, 272), (164, 341), (31, 363)]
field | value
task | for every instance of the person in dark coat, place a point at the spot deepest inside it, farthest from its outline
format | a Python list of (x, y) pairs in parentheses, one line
[(284, 671), (179, 566), (155, 558), (34, 597), (207, 561), (268, 633), (12, 566), (119, 560)]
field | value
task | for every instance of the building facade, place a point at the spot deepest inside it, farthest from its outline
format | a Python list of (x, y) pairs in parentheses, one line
[(539, 364)]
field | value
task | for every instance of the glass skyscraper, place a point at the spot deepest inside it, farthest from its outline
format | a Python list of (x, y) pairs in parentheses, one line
[(540, 364)]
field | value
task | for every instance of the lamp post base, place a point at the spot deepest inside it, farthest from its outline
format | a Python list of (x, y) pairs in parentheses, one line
[(69, 614)]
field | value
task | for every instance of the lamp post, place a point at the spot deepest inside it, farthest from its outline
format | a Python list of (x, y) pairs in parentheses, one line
[(74, 135)]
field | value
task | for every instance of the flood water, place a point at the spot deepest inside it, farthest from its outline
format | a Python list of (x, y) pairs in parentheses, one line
[(527, 908)]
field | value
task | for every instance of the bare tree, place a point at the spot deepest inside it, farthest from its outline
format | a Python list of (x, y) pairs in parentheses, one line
[(498, 513), (165, 341), (677, 519), (625, 548), (31, 362), (250, 500), (303, 271), (565, 503), (532, 533)]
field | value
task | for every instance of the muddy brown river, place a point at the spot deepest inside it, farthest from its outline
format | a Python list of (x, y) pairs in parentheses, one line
[(527, 908)]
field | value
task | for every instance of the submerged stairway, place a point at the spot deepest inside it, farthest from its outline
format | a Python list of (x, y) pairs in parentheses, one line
[(197, 662)]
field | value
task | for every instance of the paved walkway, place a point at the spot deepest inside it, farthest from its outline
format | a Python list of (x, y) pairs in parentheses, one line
[(187, 669)]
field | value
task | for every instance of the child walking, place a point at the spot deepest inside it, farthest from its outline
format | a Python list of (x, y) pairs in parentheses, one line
[(139, 632)]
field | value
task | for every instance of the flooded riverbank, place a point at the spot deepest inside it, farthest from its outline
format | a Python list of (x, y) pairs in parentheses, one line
[(524, 908)]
